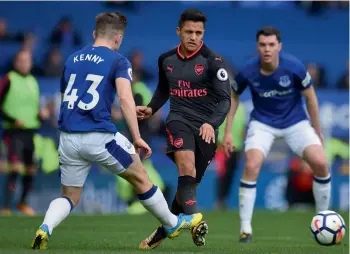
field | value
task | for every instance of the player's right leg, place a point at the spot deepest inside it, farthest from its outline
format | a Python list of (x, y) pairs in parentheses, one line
[(258, 142), (118, 155), (74, 170)]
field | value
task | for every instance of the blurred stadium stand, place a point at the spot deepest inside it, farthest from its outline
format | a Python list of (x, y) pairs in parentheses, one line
[(316, 35), (151, 29)]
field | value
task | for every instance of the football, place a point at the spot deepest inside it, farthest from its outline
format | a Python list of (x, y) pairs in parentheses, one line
[(328, 228)]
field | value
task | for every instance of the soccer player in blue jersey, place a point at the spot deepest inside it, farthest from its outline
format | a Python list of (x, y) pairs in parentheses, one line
[(91, 78), (278, 82)]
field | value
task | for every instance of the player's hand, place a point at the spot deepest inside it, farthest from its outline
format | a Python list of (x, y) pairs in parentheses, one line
[(207, 133), (227, 143), (140, 144), (19, 124), (143, 112)]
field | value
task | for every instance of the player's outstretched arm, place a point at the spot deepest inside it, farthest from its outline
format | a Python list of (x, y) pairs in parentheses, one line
[(227, 140), (127, 106), (221, 86), (312, 109), (161, 95)]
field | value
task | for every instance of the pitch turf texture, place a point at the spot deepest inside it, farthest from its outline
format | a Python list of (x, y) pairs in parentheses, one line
[(274, 232)]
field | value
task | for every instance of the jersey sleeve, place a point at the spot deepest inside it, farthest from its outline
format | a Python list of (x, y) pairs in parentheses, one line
[(239, 83), (123, 69), (303, 78), (220, 80), (161, 95), (219, 75)]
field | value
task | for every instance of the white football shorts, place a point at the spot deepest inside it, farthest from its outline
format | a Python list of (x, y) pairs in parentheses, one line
[(77, 151), (298, 136)]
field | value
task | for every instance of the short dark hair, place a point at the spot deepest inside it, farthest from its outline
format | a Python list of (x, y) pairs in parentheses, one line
[(192, 15), (110, 22), (268, 31)]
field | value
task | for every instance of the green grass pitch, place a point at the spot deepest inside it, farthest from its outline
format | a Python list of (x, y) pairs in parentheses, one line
[(274, 232)]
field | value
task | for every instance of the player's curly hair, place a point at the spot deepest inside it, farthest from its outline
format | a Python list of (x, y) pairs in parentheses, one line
[(109, 23), (268, 31), (192, 15)]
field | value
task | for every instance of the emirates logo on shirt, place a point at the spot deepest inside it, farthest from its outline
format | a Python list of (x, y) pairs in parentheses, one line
[(184, 90)]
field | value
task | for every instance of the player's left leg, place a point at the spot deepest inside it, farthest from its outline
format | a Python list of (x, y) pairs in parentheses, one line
[(74, 171), (304, 141), (58, 210)]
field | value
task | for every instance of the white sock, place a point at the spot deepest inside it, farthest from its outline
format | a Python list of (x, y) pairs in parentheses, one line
[(322, 192), (247, 194), (154, 201), (58, 210)]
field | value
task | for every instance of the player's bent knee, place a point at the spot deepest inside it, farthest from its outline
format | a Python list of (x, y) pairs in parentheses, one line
[(185, 163), (252, 166), (320, 167), (253, 161), (251, 170), (315, 157), (186, 168)]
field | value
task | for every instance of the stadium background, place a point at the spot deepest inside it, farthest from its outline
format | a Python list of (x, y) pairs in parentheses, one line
[(318, 34)]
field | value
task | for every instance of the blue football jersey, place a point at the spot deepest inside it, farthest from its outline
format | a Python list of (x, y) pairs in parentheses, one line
[(88, 85), (277, 98)]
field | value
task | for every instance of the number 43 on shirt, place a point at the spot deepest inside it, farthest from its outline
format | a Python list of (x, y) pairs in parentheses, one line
[(73, 97)]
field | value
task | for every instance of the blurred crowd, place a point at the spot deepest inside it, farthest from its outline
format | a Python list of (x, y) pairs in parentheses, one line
[(65, 34)]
